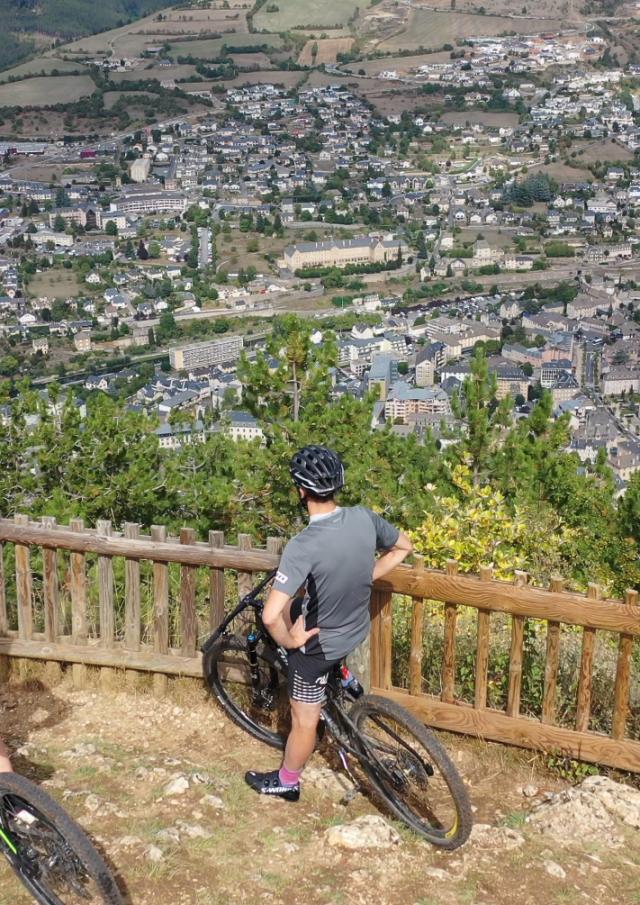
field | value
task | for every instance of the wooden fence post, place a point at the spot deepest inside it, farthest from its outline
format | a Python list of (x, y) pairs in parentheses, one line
[(551, 661), (4, 619), (245, 583), (482, 648), (51, 599), (449, 650), (160, 609), (381, 638), (79, 627), (583, 709), (417, 631), (188, 619), (24, 586), (132, 626), (216, 585), (623, 676), (106, 601), (515, 654)]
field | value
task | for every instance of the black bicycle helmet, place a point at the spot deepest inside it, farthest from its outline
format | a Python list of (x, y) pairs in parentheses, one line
[(317, 469)]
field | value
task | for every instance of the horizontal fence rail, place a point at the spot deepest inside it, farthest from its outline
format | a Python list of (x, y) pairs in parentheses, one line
[(143, 603)]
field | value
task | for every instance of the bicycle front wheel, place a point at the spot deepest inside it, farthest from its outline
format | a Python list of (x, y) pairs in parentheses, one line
[(49, 852), (262, 711), (412, 772)]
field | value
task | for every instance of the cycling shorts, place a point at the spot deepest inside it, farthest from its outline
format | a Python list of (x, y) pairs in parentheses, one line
[(308, 675)]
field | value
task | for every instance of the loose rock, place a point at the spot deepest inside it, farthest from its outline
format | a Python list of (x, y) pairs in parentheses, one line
[(588, 813), (554, 870), (485, 836), (154, 854), (369, 831), (177, 786)]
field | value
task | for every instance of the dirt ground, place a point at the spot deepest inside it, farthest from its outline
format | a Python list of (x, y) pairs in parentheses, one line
[(109, 757)]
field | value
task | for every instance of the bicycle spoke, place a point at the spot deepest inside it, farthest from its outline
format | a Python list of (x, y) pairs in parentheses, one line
[(418, 786), (44, 858)]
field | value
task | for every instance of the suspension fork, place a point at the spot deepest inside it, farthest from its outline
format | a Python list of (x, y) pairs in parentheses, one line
[(252, 647)]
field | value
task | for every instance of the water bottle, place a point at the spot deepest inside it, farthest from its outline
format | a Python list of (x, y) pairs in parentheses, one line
[(349, 682)]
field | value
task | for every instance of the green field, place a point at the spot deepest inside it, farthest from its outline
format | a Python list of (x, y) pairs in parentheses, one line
[(297, 14), (156, 72), (210, 49), (41, 65), (42, 92), (428, 28)]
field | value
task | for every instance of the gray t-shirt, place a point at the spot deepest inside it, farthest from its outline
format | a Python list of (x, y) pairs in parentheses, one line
[(333, 559)]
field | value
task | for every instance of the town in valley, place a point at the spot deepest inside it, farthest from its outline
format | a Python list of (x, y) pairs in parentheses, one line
[(418, 200)]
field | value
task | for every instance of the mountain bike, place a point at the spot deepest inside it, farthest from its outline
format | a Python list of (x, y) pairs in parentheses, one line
[(48, 851), (404, 762)]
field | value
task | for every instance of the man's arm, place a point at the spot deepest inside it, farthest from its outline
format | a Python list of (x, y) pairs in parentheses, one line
[(274, 618), (393, 556)]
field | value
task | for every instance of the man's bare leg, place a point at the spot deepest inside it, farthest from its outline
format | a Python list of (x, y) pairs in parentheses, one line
[(302, 738), (5, 763)]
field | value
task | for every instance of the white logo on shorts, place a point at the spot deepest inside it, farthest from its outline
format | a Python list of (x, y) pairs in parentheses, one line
[(281, 577), (322, 680)]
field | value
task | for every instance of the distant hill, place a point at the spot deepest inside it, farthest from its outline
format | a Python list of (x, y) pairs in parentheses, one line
[(22, 20)]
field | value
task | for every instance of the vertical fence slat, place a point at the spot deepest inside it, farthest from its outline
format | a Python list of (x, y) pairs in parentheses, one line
[(482, 648), (132, 624), (132, 594), (417, 631), (160, 608), (51, 588), (551, 662), (449, 650), (245, 583), (583, 708), (376, 606), (78, 588), (4, 618), (188, 619), (515, 655), (216, 585), (24, 586), (245, 579), (381, 638), (623, 676), (105, 590)]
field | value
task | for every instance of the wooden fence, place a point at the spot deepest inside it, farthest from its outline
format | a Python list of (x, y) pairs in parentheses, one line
[(64, 603)]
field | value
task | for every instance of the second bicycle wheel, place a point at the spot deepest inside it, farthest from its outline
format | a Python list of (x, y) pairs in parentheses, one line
[(48, 851), (263, 712), (412, 772)]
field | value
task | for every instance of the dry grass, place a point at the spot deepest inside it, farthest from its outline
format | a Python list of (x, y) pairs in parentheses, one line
[(44, 65), (427, 28), (480, 116), (327, 50), (41, 92), (155, 72), (57, 284), (301, 14), (287, 79)]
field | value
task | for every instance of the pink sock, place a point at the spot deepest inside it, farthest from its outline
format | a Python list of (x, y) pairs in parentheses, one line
[(289, 777)]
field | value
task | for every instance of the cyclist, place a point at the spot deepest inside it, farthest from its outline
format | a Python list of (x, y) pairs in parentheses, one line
[(333, 559), (5, 763)]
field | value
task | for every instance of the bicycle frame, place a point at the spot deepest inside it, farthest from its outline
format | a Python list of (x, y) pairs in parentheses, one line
[(336, 720)]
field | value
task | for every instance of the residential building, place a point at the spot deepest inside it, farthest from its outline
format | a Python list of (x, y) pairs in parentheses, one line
[(210, 352)]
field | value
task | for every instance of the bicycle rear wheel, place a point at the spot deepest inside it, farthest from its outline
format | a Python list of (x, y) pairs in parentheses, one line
[(49, 852), (412, 772), (262, 712)]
